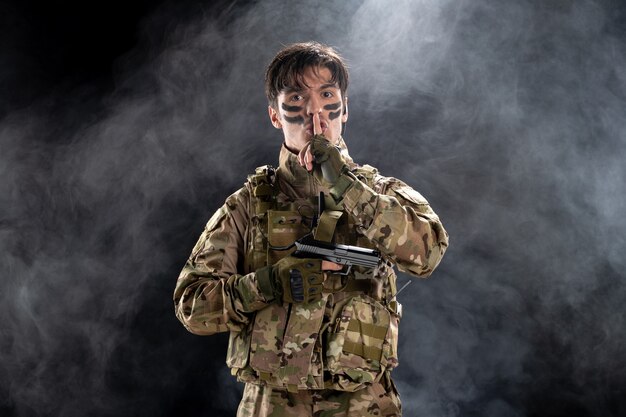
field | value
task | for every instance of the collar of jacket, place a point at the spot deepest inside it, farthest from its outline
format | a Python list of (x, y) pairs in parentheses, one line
[(296, 180)]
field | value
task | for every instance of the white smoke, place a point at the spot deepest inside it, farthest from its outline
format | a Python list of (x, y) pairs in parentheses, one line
[(508, 116)]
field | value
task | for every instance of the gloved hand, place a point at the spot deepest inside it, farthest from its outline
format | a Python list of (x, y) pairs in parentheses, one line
[(330, 166), (292, 280), (329, 160)]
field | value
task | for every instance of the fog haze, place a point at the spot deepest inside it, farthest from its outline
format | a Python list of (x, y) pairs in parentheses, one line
[(508, 116)]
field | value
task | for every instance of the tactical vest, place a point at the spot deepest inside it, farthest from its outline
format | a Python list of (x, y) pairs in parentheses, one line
[(346, 340)]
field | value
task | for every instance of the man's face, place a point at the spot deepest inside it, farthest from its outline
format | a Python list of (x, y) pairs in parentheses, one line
[(296, 107)]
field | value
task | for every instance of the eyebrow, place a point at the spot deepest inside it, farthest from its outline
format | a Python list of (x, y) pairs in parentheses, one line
[(297, 89)]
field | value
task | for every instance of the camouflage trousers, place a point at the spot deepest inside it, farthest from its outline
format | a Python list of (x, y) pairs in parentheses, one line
[(376, 400)]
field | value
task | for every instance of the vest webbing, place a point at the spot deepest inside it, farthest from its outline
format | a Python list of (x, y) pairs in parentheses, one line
[(263, 198), (263, 194)]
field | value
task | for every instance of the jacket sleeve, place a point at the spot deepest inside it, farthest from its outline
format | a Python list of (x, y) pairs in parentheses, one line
[(211, 295), (400, 222)]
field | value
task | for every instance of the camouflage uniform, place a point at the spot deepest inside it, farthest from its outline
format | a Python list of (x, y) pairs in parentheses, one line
[(332, 357)]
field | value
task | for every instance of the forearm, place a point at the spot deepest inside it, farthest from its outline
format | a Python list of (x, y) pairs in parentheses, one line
[(212, 303), (399, 220), (407, 231), (199, 304)]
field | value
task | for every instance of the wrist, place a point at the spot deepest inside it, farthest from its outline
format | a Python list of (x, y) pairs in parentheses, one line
[(265, 282), (343, 183)]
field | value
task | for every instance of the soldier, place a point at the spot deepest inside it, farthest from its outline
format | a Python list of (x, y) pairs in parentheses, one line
[(309, 337)]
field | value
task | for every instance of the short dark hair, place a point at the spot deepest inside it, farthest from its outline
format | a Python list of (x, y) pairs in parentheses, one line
[(287, 68)]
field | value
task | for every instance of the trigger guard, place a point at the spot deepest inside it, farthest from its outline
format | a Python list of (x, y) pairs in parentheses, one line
[(344, 271)]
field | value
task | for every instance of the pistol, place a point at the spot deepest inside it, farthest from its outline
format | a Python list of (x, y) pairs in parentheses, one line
[(347, 255)]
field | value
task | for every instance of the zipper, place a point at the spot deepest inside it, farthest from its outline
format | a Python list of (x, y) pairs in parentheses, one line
[(290, 306)]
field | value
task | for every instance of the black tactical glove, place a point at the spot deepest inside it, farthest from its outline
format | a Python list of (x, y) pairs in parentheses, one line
[(292, 280), (331, 168)]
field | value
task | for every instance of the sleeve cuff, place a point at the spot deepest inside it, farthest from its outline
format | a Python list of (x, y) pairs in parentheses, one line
[(343, 183), (264, 281)]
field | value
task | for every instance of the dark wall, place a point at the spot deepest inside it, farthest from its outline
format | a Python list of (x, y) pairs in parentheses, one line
[(123, 127)]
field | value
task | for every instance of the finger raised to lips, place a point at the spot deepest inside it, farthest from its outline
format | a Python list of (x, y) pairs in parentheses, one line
[(317, 125)]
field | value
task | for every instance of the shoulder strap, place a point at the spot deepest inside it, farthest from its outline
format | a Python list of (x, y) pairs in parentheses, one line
[(263, 190)]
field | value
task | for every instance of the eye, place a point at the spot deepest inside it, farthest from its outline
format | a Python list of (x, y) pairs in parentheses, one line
[(296, 97), (327, 94)]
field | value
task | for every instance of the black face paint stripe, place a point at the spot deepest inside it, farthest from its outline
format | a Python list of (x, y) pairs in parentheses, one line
[(334, 115), (295, 120), (333, 106), (291, 108)]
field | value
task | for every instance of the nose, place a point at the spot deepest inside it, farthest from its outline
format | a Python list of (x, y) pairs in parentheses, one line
[(314, 105)]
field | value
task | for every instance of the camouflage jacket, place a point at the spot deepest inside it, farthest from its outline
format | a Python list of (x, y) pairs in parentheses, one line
[(349, 338)]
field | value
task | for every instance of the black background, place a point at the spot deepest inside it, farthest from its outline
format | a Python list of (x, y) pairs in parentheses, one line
[(124, 125)]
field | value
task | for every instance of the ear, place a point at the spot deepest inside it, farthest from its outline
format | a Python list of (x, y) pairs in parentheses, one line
[(274, 117), (344, 118)]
